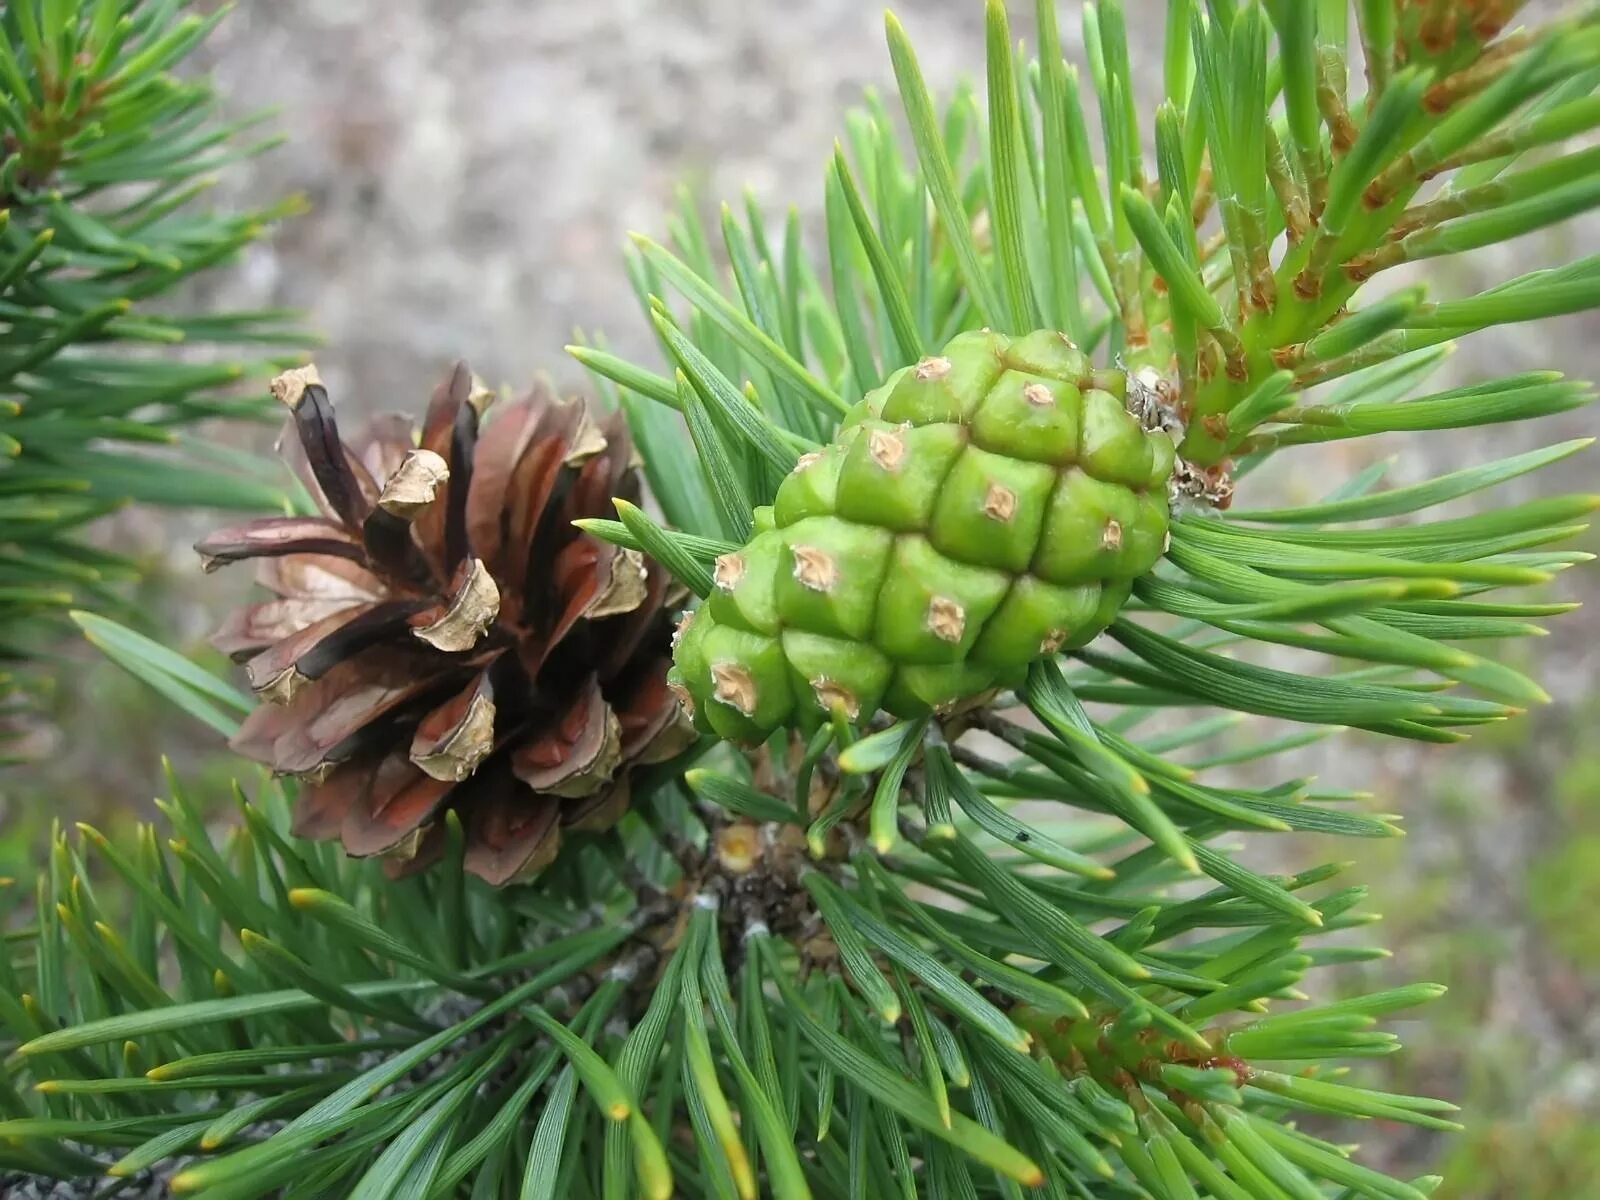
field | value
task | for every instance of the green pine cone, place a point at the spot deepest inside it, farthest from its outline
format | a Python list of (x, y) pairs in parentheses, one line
[(983, 507)]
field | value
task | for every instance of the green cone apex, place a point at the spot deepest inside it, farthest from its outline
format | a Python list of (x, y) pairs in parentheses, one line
[(984, 506)]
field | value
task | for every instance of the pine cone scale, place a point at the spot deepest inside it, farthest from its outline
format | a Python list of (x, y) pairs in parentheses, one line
[(350, 700), (577, 753), (384, 444), (280, 670), (654, 727), (600, 811), (318, 577), (622, 633), (511, 472), (460, 623), (508, 840), (450, 430), (386, 531), (279, 536), (455, 737), (340, 477), (400, 801), (251, 629)]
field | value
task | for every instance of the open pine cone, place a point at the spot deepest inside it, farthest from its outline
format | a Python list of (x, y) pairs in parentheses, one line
[(443, 637)]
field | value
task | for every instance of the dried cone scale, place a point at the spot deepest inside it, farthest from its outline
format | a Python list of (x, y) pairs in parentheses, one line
[(989, 504), (441, 636)]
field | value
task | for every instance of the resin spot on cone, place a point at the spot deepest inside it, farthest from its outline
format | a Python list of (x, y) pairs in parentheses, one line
[(887, 448), (734, 685), (947, 620), (728, 571), (831, 695), (815, 569), (999, 503)]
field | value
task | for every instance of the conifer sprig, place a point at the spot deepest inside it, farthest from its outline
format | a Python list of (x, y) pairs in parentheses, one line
[(250, 1014), (107, 156), (781, 348), (1230, 279), (848, 961)]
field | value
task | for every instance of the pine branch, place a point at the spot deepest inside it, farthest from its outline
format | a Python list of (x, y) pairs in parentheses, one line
[(239, 1013), (951, 921), (107, 155), (1224, 294)]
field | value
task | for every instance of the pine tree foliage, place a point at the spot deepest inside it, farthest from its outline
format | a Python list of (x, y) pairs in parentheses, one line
[(846, 962), (249, 1014), (107, 154)]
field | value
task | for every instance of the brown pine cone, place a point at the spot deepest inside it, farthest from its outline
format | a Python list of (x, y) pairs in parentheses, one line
[(442, 637)]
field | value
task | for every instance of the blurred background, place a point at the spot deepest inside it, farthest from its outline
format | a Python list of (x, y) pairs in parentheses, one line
[(473, 168)]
